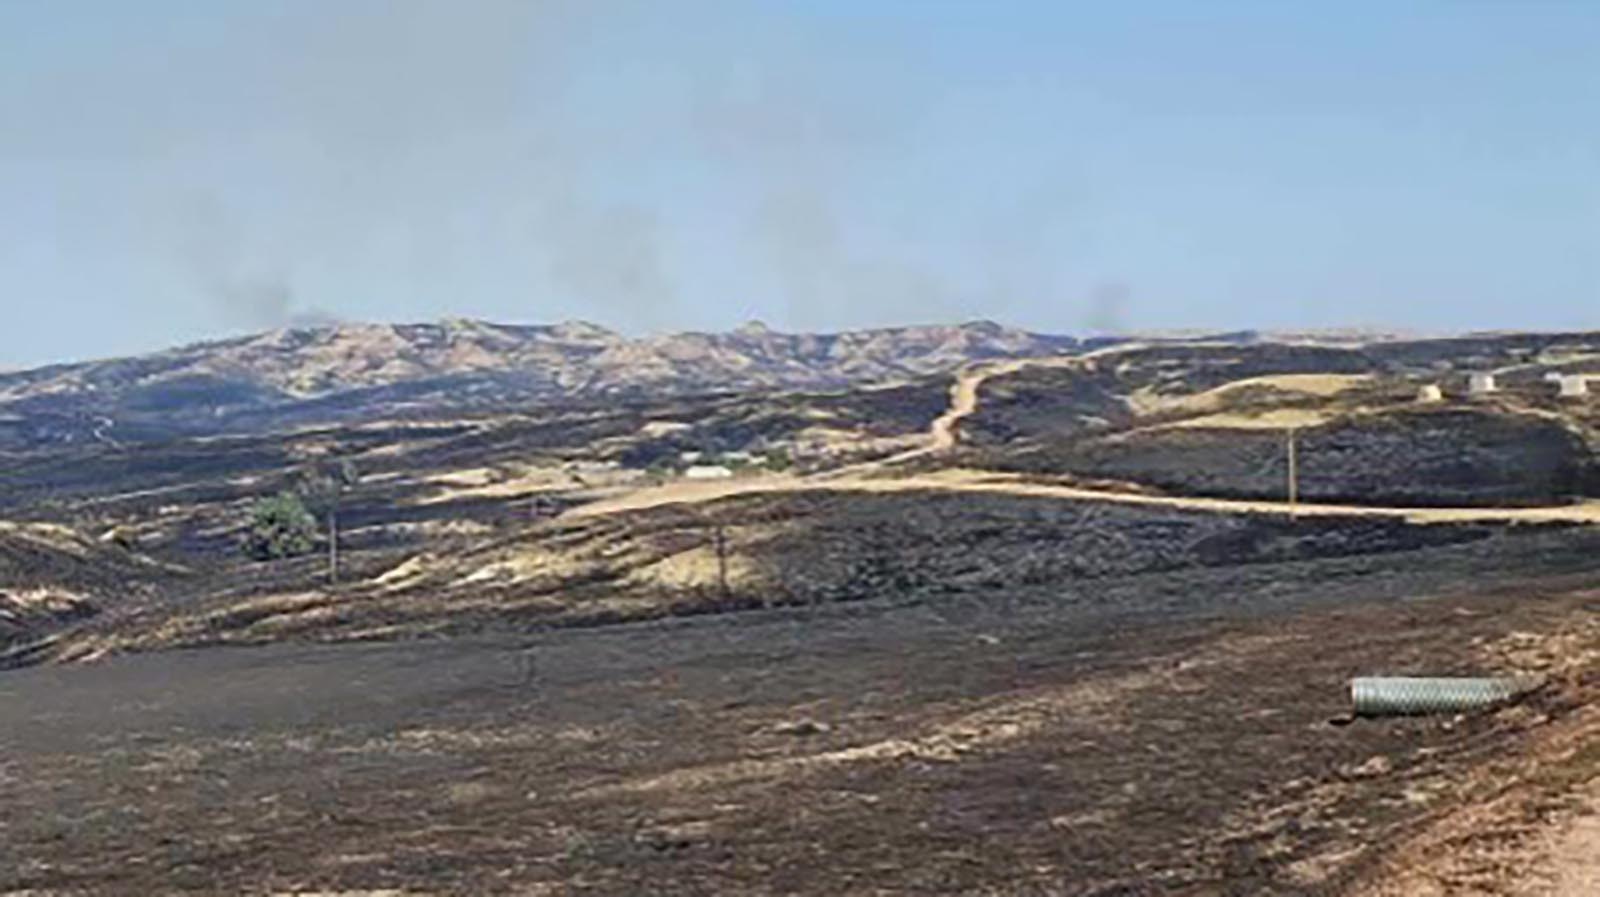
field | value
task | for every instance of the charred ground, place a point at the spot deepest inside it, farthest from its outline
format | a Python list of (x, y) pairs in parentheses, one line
[(832, 671)]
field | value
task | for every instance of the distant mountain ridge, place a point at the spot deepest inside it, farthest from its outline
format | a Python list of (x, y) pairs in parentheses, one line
[(350, 373), (371, 370)]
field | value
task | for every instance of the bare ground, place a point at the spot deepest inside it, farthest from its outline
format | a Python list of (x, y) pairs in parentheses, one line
[(1161, 733), (984, 745)]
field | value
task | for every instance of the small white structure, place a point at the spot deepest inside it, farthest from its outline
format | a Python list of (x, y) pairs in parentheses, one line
[(691, 457), (1430, 393), (1481, 383), (707, 472), (590, 466), (658, 428), (738, 457), (1573, 386)]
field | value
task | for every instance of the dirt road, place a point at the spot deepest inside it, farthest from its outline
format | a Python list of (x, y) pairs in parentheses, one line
[(943, 435), (977, 481)]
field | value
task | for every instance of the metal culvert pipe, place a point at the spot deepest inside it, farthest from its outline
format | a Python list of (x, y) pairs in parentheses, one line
[(1417, 695)]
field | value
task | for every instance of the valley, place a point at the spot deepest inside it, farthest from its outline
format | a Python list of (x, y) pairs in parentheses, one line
[(1002, 612)]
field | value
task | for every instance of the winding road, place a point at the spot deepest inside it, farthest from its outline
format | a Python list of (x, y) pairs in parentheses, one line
[(944, 436)]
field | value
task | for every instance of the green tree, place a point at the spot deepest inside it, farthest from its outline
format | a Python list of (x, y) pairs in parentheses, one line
[(779, 460), (280, 527)]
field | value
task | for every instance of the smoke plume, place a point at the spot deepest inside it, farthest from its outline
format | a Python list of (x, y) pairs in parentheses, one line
[(242, 285), (1107, 312), (410, 159)]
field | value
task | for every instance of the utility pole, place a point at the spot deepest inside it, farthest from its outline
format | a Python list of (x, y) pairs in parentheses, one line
[(323, 487), (720, 537), (1294, 472), (333, 542)]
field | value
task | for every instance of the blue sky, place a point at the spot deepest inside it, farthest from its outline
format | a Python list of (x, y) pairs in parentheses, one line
[(173, 169)]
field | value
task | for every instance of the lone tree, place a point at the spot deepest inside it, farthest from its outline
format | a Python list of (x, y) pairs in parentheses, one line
[(280, 527), (322, 488)]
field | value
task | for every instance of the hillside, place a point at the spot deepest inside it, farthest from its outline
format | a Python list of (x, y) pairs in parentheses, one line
[(297, 377), (52, 576), (1214, 420), (581, 512), (1051, 604)]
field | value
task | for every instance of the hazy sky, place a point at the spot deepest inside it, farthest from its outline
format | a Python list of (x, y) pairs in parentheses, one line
[(171, 169)]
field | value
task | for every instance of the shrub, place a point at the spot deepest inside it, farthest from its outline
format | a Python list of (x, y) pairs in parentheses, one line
[(280, 527), (779, 460)]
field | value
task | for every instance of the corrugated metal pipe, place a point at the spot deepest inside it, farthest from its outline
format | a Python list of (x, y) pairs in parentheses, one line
[(1416, 695)]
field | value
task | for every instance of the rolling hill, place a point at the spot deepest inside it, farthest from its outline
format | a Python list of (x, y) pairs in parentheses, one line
[(295, 377)]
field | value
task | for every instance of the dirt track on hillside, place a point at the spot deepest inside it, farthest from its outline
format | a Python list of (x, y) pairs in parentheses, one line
[(944, 436), (977, 481)]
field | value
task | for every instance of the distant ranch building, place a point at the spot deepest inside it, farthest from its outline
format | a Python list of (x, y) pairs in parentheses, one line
[(590, 466), (1480, 383), (707, 472), (657, 428), (1573, 386), (1430, 394)]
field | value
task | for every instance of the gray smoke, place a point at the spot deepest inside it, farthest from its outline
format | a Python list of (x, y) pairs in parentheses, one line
[(386, 99), (811, 146), (263, 301), (1107, 312), (824, 279), (609, 257), (256, 302), (242, 286), (403, 85)]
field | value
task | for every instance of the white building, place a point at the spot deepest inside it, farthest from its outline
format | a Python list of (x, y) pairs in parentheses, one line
[(707, 472), (1430, 393), (1573, 386), (590, 466), (658, 428), (1481, 383)]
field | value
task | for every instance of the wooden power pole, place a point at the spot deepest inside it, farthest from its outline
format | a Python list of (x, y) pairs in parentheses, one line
[(333, 542), (1294, 471), (720, 539)]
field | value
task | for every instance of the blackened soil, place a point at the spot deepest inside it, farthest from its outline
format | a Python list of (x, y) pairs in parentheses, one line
[(1166, 734)]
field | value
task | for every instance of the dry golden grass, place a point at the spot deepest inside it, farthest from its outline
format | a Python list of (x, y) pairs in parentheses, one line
[(1323, 385), (406, 574), (16, 603), (49, 535), (694, 568), (474, 476), (688, 491), (1147, 402), (533, 563), (518, 481), (1273, 419)]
